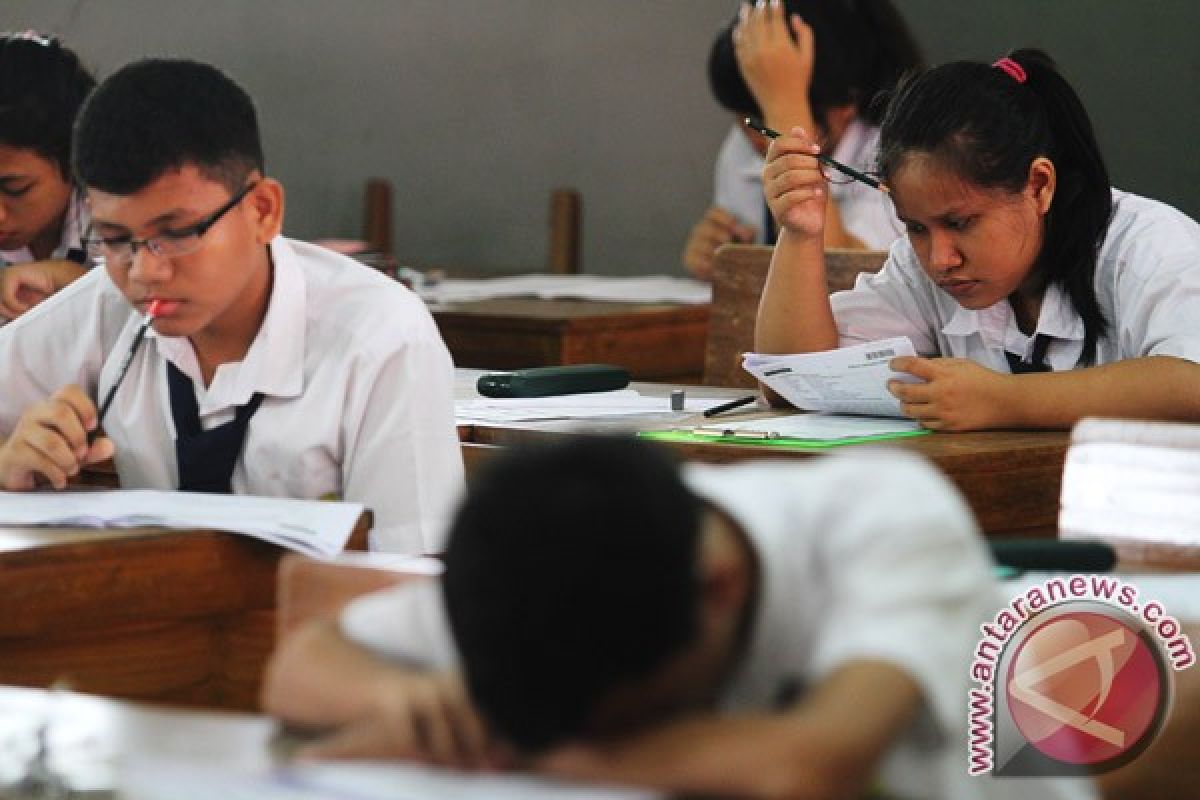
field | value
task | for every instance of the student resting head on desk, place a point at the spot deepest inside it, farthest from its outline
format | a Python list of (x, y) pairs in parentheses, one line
[(749, 631), (1039, 294), (819, 64), (273, 367), (42, 214)]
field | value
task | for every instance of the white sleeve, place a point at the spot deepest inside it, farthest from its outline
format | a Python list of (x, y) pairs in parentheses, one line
[(1159, 308), (891, 302), (404, 460), (406, 623), (61, 341), (737, 182), (911, 583)]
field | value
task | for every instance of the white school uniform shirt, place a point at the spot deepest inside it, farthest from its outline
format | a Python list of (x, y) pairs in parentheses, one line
[(74, 226), (904, 578), (866, 213), (357, 384), (1147, 284)]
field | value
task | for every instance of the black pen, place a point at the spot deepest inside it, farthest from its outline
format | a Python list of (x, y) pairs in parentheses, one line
[(133, 348), (731, 405), (824, 159)]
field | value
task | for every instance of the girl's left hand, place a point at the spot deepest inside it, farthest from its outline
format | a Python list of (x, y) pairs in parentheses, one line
[(958, 394)]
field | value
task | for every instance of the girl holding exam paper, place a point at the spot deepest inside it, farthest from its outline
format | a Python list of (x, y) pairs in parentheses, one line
[(1036, 293)]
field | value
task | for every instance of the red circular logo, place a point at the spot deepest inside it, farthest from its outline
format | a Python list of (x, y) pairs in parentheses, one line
[(1085, 688)]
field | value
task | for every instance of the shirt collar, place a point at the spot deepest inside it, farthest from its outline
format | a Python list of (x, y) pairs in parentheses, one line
[(274, 364), (1057, 318)]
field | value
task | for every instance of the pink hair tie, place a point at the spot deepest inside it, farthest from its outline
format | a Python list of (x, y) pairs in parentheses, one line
[(1014, 70)]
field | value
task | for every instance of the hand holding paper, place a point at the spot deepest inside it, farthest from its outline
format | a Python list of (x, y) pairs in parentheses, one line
[(849, 380)]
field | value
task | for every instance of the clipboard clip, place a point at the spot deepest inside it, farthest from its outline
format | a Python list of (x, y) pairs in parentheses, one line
[(718, 433)]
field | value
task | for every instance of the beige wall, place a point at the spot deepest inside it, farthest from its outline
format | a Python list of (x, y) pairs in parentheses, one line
[(477, 109)]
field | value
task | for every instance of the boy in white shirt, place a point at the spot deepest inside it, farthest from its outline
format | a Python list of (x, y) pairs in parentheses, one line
[(753, 631), (273, 367)]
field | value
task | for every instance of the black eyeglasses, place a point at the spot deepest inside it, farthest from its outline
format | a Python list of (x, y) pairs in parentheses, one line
[(122, 249)]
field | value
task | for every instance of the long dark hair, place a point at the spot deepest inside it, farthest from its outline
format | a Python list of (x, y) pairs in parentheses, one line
[(862, 47), (987, 126)]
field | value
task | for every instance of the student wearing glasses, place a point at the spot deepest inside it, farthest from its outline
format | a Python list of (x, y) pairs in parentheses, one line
[(42, 214), (273, 367)]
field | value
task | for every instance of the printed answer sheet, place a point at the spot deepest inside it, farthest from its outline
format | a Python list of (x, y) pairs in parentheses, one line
[(849, 380)]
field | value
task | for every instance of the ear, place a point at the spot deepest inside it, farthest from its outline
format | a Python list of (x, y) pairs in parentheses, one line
[(1042, 181), (722, 586), (266, 203)]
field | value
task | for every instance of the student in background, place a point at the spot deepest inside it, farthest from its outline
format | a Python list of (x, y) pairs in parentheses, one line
[(817, 64), (273, 367), (42, 215), (745, 631), (1036, 293)]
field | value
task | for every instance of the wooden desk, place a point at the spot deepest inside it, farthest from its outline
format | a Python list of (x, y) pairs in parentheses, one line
[(180, 617), (654, 342), (1011, 479)]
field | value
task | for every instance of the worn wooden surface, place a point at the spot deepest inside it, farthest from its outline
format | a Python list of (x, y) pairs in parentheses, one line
[(739, 273), (654, 342), (179, 617), (1011, 479)]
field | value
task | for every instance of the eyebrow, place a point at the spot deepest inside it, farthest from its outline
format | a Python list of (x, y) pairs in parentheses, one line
[(165, 218)]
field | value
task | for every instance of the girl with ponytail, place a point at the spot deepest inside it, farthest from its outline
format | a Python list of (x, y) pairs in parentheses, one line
[(1036, 293)]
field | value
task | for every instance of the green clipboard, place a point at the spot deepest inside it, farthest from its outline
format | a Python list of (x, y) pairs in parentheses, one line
[(781, 442)]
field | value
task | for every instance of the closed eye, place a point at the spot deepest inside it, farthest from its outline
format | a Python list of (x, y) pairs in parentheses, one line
[(16, 191)]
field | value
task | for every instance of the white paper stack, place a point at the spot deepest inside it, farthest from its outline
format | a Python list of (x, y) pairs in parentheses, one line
[(316, 528), (637, 289), (1134, 480), (588, 405)]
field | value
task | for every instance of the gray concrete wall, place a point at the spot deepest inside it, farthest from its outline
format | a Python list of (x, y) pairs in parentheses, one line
[(476, 109)]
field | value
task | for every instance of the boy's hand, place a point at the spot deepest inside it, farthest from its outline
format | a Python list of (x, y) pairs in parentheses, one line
[(716, 227), (418, 717), (23, 286), (958, 394), (50, 441), (794, 184)]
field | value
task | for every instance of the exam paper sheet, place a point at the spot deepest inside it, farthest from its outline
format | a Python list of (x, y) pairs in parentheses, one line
[(849, 380), (316, 528)]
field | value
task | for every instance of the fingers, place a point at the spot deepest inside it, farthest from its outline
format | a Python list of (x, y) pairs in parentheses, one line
[(428, 719), (50, 440), (716, 228), (21, 287), (922, 368)]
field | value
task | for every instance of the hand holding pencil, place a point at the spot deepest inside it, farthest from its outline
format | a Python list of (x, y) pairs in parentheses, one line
[(794, 186)]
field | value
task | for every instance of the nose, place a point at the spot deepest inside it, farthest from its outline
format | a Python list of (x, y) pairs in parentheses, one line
[(944, 254), (147, 268)]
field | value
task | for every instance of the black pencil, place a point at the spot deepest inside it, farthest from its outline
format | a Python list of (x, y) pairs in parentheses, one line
[(133, 348), (730, 406), (824, 159)]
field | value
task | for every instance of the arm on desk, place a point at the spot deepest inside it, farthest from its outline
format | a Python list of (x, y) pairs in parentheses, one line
[(366, 708), (361, 705), (827, 745)]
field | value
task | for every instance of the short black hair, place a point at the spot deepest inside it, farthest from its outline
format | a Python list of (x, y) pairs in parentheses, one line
[(42, 86), (862, 48), (571, 569), (158, 115)]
